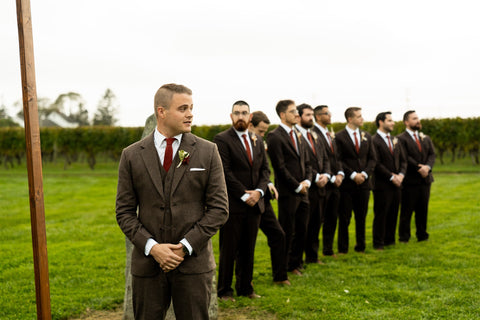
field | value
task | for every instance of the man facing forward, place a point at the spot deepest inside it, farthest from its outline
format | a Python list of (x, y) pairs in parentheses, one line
[(175, 181), (247, 175), (389, 173)]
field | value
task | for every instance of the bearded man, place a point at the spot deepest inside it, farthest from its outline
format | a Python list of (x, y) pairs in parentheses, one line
[(247, 175)]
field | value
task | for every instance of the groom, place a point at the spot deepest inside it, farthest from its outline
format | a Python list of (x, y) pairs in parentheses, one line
[(174, 181)]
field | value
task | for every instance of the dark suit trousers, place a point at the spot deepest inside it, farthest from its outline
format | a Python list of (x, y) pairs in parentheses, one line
[(414, 198), (190, 294), (356, 200), (237, 248), (293, 217), (386, 202), (330, 214), (313, 227), (276, 241)]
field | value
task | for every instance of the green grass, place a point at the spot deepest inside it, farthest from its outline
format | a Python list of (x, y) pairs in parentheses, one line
[(437, 279)]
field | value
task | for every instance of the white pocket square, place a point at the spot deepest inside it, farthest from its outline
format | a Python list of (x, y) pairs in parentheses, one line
[(197, 169)]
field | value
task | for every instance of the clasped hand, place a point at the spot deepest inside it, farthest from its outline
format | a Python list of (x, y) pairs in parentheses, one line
[(169, 256)]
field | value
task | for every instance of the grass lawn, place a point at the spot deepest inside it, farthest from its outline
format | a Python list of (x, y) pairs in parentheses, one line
[(437, 279)]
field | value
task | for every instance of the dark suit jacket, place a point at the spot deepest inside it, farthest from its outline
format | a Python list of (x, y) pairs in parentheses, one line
[(363, 161), (289, 167), (198, 202), (387, 163), (319, 161), (333, 159), (239, 174), (415, 157)]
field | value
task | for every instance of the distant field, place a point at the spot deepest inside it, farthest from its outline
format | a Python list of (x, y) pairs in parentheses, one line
[(438, 279)]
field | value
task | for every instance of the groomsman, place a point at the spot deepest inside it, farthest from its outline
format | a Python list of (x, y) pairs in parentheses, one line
[(323, 118), (416, 186), (320, 176), (268, 221), (247, 175), (293, 175), (356, 151), (389, 173)]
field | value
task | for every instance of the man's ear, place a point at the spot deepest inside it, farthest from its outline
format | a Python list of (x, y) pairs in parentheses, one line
[(161, 112)]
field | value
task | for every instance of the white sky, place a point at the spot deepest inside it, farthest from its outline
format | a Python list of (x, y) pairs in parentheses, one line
[(379, 55)]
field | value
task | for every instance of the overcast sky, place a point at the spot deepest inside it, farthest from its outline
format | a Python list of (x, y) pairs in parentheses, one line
[(379, 55)]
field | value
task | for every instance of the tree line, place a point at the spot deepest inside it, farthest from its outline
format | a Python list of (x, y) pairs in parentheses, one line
[(456, 136), (70, 106)]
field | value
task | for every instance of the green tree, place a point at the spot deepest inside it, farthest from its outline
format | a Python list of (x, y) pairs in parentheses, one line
[(106, 109), (5, 119)]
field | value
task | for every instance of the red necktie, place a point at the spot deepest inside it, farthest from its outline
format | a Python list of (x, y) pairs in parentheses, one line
[(357, 148), (293, 140), (167, 160), (309, 135), (247, 146), (389, 144), (418, 142), (330, 141)]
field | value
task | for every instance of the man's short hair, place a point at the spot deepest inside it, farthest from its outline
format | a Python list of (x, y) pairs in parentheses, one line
[(259, 116), (282, 106), (407, 114), (350, 112), (240, 103), (381, 117), (164, 95), (318, 110), (302, 107)]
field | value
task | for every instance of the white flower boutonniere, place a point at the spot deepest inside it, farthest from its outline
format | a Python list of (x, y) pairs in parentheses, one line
[(314, 135), (332, 133), (184, 157), (395, 141), (299, 136), (364, 138), (421, 135), (254, 139)]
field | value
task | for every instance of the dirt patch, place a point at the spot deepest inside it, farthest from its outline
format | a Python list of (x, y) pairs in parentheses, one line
[(223, 314)]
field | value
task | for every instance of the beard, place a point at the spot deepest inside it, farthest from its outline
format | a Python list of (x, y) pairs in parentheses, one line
[(240, 125), (417, 127), (306, 124)]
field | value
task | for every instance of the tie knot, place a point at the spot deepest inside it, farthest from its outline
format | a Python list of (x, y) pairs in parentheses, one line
[(388, 136), (328, 133), (170, 141)]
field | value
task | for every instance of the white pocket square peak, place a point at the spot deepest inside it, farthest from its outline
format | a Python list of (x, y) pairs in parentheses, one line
[(197, 169)]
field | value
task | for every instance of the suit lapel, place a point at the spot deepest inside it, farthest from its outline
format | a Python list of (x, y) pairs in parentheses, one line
[(152, 163), (238, 144), (188, 145)]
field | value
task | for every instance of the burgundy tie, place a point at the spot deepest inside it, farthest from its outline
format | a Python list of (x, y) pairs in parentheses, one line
[(418, 142), (330, 141), (293, 140), (167, 160), (389, 144), (309, 135), (247, 146), (357, 148)]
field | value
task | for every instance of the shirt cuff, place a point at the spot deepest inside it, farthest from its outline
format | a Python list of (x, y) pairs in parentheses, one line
[(317, 177), (327, 175), (341, 173), (245, 197), (365, 174), (391, 178), (261, 192), (352, 176), (309, 183), (333, 178), (298, 188), (186, 244), (149, 246)]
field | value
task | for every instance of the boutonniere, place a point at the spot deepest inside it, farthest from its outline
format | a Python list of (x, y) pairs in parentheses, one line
[(332, 133), (299, 136), (363, 136), (254, 139), (314, 135), (184, 157), (395, 141), (421, 135)]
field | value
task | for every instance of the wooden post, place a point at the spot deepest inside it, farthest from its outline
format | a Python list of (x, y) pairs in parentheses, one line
[(34, 160)]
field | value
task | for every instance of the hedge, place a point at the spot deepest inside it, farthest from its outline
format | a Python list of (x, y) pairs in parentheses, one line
[(454, 135)]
